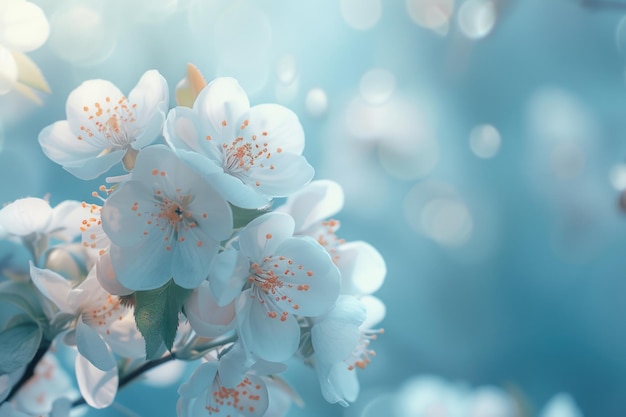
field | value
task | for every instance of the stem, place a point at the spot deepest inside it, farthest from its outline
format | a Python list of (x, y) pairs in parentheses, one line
[(128, 378), (30, 369)]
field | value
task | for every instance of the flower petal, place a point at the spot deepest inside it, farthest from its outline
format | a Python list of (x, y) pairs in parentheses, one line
[(311, 282), (66, 220), (337, 334), (8, 70), (107, 277), (278, 126), (362, 267), (88, 107), (97, 387), (23, 25), (263, 235), (340, 385), (205, 316), (146, 266), (25, 216), (185, 131), (317, 201), (228, 276), (221, 103), (92, 346), (53, 286), (271, 338), (289, 173), (124, 229), (151, 97)]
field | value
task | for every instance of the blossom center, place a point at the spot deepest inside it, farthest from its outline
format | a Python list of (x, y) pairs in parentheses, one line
[(241, 398), (114, 122), (105, 313), (241, 155)]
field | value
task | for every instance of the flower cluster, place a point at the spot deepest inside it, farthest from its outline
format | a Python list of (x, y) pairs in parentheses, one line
[(217, 246)]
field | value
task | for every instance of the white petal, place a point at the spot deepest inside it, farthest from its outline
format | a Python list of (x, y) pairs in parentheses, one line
[(97, 387), (206, 317), (290, 173), (151, 95), (124, 338), (66, 220), (25, 216), (228, 276), (337, 334), (264, 234), (23, 26), (221, 103), (53, 286), (200, 380), (107, 277), (278, 126), (376, 311), (8, 70), (317, 201), (272, 338), (61, 145), (341, 385), (362, 267), (92, 346)]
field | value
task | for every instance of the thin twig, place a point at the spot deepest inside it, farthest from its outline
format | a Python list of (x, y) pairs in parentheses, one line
[(128, 378), (30, 369)]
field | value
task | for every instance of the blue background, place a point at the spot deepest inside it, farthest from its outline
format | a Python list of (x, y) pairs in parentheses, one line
[(533, 296)]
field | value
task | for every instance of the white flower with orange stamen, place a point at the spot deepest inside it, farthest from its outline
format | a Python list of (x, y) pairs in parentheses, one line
[(204, 394), (341, 341), (104, 127), (281, 276), (102, 326), (166, 222), (362, 267), (251, 154)]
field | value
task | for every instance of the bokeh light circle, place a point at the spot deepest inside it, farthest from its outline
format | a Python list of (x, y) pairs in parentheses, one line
[(377, 85), (485, 141), (361, 14), (316, 102)]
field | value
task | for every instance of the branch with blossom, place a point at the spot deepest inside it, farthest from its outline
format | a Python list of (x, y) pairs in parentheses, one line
[(216, 247)]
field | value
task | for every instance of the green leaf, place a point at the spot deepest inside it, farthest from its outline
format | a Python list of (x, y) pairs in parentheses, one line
[(24, 296), (18, 346), (242, 217), (156, 315)]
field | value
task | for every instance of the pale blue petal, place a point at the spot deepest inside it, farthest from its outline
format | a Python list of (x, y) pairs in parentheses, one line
[(97, 387), (91, 345), (362, 267), (291, 172), (272, 339), (341, 385), (142, 267), (337, 334), (239, 194), (53, 286), (228, 276), (317, 201), (89, 169), (191, 263), (312, 282), (125, 222), (62, 146), (263, 235), (201, 379)]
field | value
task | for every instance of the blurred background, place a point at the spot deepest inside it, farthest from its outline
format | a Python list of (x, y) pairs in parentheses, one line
[(481, 145)]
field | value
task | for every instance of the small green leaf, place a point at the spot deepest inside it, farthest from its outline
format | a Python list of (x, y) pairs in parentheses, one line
[(156, 315), (18, 346), (242, 216)]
